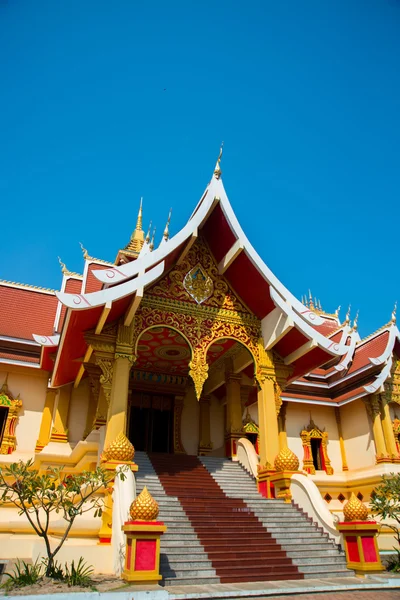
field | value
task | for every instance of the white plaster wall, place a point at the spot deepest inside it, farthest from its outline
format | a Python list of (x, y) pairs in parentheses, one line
[(78, 411), (357, 434), (32, 391), (298, 417), (217, 423), (190, 422)]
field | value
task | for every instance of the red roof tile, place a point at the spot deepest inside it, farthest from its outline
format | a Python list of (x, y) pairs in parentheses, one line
[(24, 311), (93, 284), (372, 348), (72, 286)]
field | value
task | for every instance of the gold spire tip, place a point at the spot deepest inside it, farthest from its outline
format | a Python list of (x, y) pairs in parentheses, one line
[(355, 323), (166, 230), (348, 314), (139, 225), (85, 252), (63, 266), (394, 312), (217, 170)]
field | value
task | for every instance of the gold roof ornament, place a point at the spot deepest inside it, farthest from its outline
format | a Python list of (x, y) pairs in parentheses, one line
[(63, 266), (144, 508), (286, 460), (166, 230), (147, 240), (84, 251), (152, 240), (393, 319), (355, 323), (120, 449), (337, 311), (217, 170), (137, 238), (347, 320), (355, 510)]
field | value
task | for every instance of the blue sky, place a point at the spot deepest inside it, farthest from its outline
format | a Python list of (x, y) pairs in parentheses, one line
[(104, 102)]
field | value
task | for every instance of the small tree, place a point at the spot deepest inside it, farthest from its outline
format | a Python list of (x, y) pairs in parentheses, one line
[(37, 496), (385, 502)]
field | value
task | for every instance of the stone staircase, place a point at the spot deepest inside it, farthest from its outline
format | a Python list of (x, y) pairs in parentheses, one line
[(183, 559), (240, 548), (310, 549)]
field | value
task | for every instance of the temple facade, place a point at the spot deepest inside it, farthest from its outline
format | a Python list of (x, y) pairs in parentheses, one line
[(194, 348)]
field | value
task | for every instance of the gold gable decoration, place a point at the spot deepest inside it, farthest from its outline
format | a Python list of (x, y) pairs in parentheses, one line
[(12, 406), (392, 386), (312, 431)]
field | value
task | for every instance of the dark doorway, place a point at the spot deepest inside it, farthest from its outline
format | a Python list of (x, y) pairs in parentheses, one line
[(316, 453), (151, 422), (3, 420)]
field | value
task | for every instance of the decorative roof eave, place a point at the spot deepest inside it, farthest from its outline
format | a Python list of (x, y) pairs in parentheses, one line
[(303, 317), (377, 386), (393, 335), (333, 348), (345, 363), (109, 295), (47, 340)]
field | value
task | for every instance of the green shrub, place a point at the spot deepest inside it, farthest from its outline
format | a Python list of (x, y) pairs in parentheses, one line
[(79, 575), (23, 574)]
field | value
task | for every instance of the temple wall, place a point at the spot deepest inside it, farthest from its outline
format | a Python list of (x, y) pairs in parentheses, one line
[(78, 411), (298, 418), (32, 391), (357, 434), (190, 422), (217, 423)]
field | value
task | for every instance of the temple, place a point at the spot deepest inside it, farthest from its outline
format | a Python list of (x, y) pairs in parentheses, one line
[(199, 354)]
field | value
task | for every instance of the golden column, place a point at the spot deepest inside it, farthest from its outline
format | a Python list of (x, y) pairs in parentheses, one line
[(118, 407), (233, 409), (345, 466), (282, 426), (267, 415), (373, 408), (59, 432), (388, 429), (205, 444), (47, 418)]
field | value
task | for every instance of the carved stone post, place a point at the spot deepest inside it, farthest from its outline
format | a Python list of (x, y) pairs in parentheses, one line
[(59, 432), (373, 408), (388, 430), (282, 426), (267, 416), (97, 410), (47, 418), (205, 445), (341, 440)]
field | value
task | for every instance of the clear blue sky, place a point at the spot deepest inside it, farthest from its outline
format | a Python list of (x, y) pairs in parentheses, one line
[(102, 102)]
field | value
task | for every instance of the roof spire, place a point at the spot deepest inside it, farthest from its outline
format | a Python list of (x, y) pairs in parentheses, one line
[(147, 240), (140, 216), (337, 311), (166, 230), (393, 319), (217, 170), (310, 302), (355, 324), (152, 240), (63, 266), (84, 251), (348, 314)]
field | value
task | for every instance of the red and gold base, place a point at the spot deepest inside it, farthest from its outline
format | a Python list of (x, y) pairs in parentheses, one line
[(265, 487), (281, 482), (231, 440), (142, 557), (361, 547)]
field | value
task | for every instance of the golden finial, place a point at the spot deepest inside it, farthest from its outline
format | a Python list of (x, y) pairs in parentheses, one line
[(355, 510), (140, 216), (148, 234), (217, 170), (347, 320), (144, 508), (394, 313), (63, 266), (310, 303), (85, 252), (166, 230), (120, 449), (355, 323), (337, 311), (286, 460), (152, 239)]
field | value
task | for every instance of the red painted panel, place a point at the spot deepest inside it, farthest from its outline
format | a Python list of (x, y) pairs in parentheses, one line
[(368, 546), (352, 548), (250, 285), (290, 342), (145, 559), (218, 234), (262, 488)]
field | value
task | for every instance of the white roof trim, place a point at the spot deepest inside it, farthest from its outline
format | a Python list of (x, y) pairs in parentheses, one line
[(46, 340)]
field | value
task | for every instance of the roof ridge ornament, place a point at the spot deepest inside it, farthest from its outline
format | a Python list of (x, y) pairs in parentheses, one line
[(217, 170), (393, 319), (84, 251), (166, 230), (63, 266), (152, 240), (147, 239), (347, 320), (355, 323)]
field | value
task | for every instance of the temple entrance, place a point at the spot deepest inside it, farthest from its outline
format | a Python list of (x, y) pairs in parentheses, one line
[(316, 453), (3, 420), (151, 422)]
